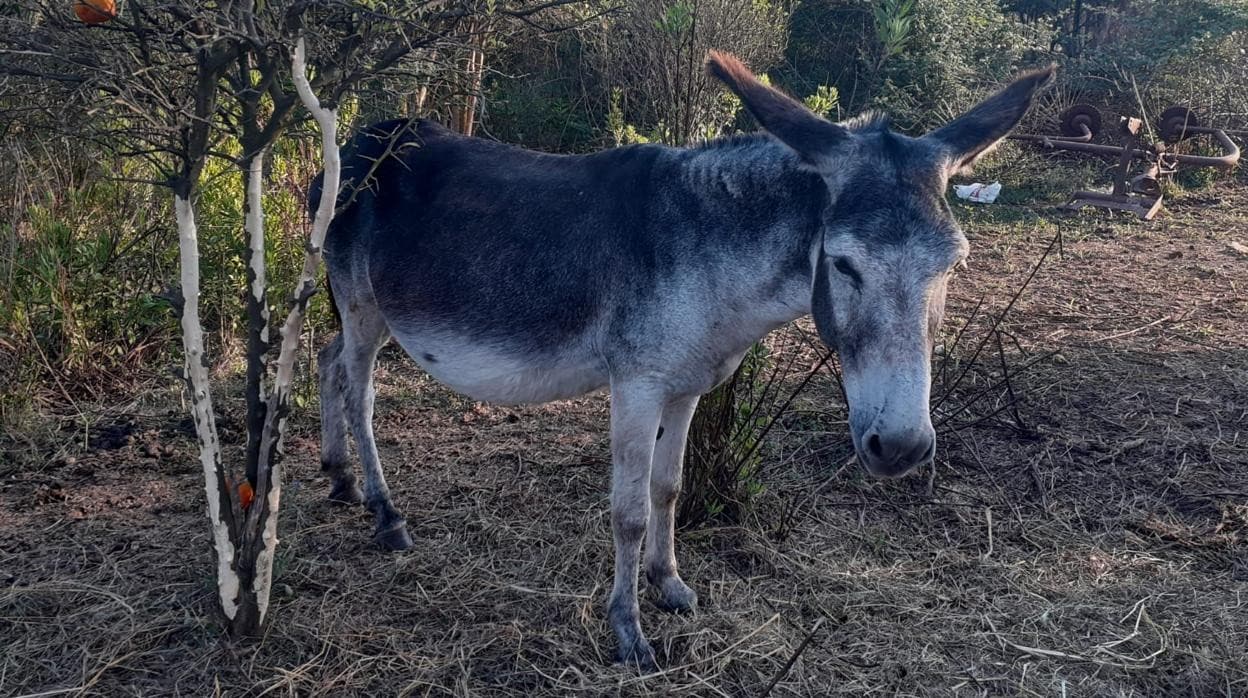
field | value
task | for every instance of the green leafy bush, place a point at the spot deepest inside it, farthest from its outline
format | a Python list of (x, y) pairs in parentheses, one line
[(955, 51), (90, 250)]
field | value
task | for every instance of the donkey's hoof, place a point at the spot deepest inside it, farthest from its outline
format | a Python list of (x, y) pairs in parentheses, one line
[(674, 596), (639, 654), (394, 538), (345, 492)]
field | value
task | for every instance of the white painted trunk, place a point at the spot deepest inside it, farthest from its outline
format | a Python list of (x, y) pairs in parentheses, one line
[(201, 404), (327, 121), (255, 237), (279, 398), (262, 583)]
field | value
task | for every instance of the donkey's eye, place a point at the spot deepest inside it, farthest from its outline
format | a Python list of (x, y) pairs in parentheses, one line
[(842, 265)]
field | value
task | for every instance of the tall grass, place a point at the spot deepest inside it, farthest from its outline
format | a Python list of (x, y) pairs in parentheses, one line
[(88, 251)]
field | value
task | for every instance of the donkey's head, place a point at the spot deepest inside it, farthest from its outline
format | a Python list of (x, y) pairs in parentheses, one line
[(889, 246)]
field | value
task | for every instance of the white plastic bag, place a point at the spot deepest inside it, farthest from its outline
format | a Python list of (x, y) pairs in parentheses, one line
[(978, 193)]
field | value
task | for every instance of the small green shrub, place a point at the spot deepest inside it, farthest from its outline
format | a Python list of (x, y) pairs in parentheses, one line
[(720, 477), (81, 279), (825, 101)]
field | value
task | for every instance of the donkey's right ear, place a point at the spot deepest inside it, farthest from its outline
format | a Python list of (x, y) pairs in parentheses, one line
[(970, 136), (784, 117)]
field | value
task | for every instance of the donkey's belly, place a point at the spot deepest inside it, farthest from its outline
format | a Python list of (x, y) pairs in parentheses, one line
[(495, 374)]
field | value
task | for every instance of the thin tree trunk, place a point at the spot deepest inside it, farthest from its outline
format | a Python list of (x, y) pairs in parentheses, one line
[(416, 102), (464, 116), (220, 509), (260, 532), (476, 71), (257, 308)]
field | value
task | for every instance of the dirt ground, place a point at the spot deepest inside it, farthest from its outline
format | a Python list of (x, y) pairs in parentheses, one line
[(1085, 532)]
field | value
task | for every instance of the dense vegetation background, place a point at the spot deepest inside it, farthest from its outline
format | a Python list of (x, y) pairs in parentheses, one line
[(86, 249)]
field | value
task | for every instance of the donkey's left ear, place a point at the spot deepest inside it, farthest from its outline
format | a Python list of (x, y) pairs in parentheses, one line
[(978, 131)]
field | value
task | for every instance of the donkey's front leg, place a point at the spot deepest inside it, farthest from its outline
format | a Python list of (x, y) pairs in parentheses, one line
[(635, 414), (669, 456)]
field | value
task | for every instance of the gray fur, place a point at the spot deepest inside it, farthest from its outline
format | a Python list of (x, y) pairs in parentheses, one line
[(515, 276)]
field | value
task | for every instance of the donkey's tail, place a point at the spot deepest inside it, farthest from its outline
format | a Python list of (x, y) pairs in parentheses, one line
[(333, 304), (362, 158)]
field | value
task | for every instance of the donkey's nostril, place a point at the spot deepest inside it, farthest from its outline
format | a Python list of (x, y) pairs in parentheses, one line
[(873, 445), (894, 454), (923, 451)]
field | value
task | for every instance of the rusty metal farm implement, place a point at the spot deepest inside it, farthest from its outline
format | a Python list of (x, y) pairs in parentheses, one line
[(1140, 194)]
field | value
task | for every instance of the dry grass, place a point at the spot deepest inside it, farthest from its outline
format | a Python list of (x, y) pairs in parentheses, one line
[(1084, 533)]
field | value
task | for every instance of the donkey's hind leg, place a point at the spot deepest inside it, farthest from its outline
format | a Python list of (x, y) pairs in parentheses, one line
[(363, 333), (665, 478), (335, 458)]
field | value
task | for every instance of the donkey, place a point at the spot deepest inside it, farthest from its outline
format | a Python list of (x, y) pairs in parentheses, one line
[(514, 276)]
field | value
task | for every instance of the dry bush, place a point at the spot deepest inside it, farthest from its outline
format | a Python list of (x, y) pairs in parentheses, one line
[(653, 53)]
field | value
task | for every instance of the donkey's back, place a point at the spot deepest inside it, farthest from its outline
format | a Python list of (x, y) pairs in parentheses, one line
[(495, 267)]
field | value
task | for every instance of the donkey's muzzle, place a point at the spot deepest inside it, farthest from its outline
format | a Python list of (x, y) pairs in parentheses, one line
[(897, 453)]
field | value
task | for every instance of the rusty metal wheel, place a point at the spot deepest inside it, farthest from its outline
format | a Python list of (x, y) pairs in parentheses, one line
[(1175, 122), (1080, 115)]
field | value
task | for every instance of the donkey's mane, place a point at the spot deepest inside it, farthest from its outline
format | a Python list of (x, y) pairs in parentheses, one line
[(736, 140), (869, 121), (865, 122)]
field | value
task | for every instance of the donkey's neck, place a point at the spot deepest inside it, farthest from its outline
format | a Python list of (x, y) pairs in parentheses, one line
[(758, 213), (752, 168)]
